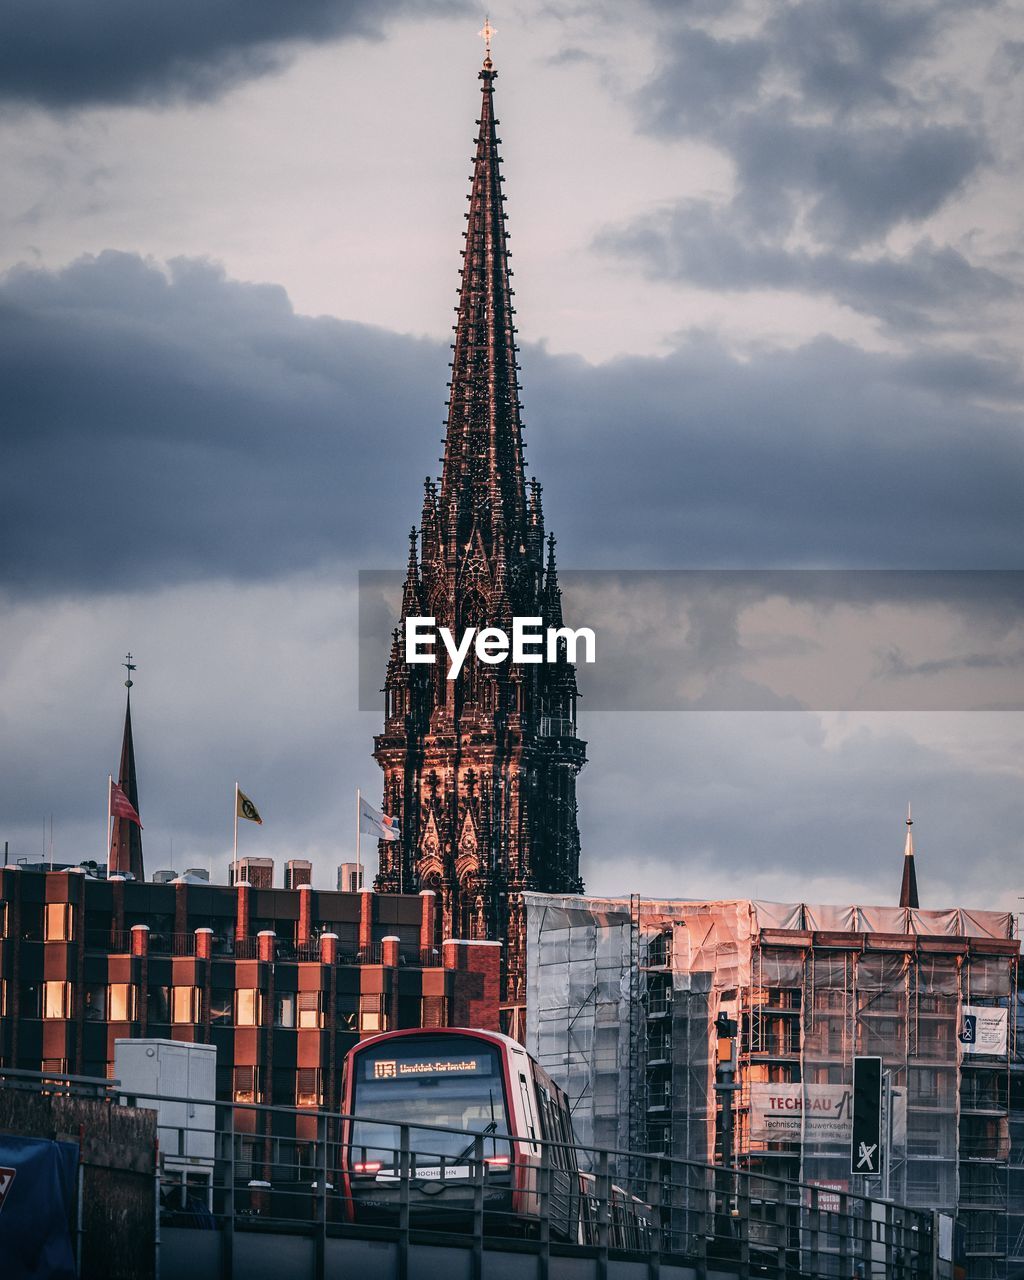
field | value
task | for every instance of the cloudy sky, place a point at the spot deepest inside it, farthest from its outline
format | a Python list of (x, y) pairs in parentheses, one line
[(769, 260)]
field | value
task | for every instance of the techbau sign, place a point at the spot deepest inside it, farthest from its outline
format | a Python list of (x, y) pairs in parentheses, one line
[(820, 1112)]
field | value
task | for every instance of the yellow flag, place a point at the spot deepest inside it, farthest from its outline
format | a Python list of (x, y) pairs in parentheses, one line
[(246, 809)]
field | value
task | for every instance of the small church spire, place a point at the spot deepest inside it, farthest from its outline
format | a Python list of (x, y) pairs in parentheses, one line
[(908, 889), (126, 837)]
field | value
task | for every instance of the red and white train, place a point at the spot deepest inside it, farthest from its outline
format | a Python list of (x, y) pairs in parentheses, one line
[(481, 1083)]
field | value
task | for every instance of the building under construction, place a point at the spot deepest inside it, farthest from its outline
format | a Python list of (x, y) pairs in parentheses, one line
[(622, 998)]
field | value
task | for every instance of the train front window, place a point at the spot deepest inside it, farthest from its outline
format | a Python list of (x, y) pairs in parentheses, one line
[(451, 1081)]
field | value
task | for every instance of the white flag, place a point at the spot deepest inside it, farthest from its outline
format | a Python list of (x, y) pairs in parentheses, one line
[(374, 823)]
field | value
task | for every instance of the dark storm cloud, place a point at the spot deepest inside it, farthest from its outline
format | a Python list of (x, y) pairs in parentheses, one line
[(63, 53), (926, 288), (821, 455), (171, 428), (839, 131), (166, 428)]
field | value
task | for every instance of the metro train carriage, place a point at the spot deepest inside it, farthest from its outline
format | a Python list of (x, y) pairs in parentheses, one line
[(481, 1082), (629, 1218)]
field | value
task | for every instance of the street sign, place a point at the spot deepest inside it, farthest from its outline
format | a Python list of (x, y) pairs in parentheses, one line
[(866, 1144)]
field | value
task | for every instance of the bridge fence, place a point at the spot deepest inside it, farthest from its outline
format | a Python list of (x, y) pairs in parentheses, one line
[(251, 1190)]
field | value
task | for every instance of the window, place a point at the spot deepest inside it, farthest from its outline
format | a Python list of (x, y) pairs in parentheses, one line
[(3, 919), (245, 1157), (311, 1009), (433, 1011), (31, 922), (30, 1002), (371, 1014), (57, 999), (307, 1087), (248, 1007), (121, 1002), (284, 1010), (247, 1084), (185, 1003), (158, 1004), (95, 1002), (3, 997), (220, 1005), (58, 922)]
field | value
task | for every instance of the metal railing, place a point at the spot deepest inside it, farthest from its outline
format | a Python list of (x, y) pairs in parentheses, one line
[(297, 1173)]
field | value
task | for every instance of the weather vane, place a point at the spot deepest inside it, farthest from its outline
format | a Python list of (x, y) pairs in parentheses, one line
[(131, 667), (485, 33)]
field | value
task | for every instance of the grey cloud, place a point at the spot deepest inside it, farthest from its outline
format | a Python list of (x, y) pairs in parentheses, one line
[(164, 428), (171, 427), (894, 663), (927, 288), (703, 81), (850, 183), (844, 53), (840, 130), (65, 54)]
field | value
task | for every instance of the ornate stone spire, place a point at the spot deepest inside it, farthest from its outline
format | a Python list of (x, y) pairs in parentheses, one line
[(908, 889), (126, 836), (481, 770), (483, 481)]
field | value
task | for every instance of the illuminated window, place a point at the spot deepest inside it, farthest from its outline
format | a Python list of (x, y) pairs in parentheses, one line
[(57, 999), (248, 1008), (121, 1001), (185, 1004), (3, 997), (247, 1084), (57, 922), (371, 1014), (311, 1009), (307, 1087), (3, 919)]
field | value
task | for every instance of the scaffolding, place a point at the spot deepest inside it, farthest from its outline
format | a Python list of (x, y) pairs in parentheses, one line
[(810, 988)]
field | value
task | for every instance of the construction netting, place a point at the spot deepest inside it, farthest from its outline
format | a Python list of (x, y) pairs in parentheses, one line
[(622, 996)]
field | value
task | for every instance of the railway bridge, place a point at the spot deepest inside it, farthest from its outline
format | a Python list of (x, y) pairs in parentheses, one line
[(244, 1191)]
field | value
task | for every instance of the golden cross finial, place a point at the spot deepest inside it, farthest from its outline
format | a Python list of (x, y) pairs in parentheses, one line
[(485, 34)]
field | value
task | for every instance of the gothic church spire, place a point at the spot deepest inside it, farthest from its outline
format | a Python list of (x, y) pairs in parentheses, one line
[(126, 837), (483, 483)]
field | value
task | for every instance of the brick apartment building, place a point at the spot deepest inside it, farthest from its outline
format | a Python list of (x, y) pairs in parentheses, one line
[(282, 981)]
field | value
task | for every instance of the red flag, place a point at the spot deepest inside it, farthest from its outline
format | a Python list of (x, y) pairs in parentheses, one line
[(121, 806)]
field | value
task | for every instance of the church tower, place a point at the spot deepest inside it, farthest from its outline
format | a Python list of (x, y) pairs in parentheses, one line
[(481, 770)]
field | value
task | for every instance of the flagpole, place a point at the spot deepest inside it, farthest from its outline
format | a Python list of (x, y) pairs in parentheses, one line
[(359, 828), (106, 852), (234, 855)]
